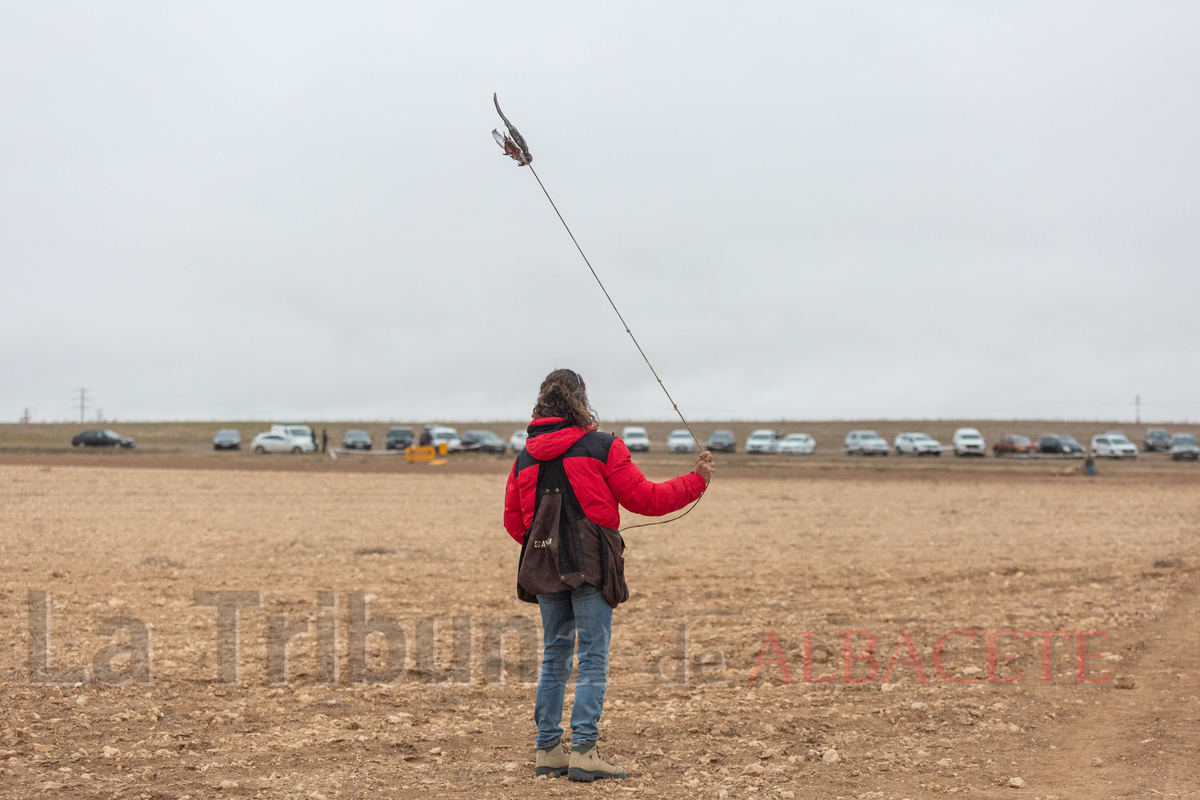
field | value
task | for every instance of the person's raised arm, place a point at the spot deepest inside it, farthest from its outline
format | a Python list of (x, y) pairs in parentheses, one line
[(642, 496)]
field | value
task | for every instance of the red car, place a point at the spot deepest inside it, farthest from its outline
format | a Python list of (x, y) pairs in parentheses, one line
[(1011, 443)]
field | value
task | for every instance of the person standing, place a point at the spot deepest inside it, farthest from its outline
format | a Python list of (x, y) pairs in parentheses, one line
[(564, 496), (324, 439)]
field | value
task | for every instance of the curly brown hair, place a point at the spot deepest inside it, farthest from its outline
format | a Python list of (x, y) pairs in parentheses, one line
[(564, 394)]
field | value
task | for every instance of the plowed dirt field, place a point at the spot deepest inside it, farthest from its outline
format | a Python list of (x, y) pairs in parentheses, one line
[(1035, 633)]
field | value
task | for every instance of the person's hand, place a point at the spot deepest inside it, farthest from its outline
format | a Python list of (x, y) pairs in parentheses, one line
[(705, 466)]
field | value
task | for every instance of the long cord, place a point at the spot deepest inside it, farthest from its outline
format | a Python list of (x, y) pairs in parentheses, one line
[(631, 336)]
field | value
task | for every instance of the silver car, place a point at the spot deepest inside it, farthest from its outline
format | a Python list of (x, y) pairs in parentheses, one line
[(681, 441), (636, 439), (918, 444), (444, 435), (797, 444), (865, 443), (282, 442), (1113, 445), (763, 441), (1184, 447)]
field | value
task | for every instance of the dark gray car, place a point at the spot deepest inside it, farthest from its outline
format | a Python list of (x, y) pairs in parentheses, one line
[(356, 440), (723, 441), (227, 439), (101, 439), (1184, 447), (1156, 439), (399, 438), (1057, 443), (483, 441)]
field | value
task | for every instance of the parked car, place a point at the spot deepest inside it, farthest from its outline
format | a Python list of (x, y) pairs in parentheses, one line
[(1156, 439), (399, 438), (355, 439), (281, 442), (1057, 443), (969, 442), (101, 439), (293, 429), (482, 441), (723, 441), (636, 439), (1184, 447), (1113, 445), (517, 440), (917, 444), (227, 439), (763, 441), (795, 444), (681, 441), (296, 430), (865, 443), (1012, 443), (441, 433)]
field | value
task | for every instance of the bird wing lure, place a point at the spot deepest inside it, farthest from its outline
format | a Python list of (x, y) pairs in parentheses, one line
[(514, 147)]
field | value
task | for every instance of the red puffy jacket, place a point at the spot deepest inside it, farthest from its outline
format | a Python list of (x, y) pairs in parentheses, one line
[(601, 474)]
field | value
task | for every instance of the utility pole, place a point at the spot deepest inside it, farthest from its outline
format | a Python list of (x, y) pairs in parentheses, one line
[(82, 404), (1137, 404)]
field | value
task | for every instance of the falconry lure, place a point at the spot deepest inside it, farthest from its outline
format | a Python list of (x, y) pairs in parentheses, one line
[(514, 146)]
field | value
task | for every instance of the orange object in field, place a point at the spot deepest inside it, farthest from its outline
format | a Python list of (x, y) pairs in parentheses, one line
[(425, 453)]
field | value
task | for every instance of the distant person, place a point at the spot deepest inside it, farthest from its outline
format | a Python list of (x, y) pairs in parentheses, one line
[(426, 438), (324, 439), (571, 478), (313, 435)]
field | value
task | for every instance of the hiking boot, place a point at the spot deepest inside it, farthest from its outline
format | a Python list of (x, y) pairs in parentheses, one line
[(553, 762), (588, 765)]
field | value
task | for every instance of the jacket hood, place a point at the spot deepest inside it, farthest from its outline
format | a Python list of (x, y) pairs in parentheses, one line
[(549, 437)]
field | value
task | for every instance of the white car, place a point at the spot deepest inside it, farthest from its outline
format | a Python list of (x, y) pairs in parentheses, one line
[(441, 433), (681, 441), (292, 429), (517, 442), (1113, 445), (969, 442), (918, 444), (636, 439), (797, 444), (763, 441), (865, 443), (282, 442)]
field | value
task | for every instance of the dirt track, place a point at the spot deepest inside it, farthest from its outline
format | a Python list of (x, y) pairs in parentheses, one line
[(823, 547)]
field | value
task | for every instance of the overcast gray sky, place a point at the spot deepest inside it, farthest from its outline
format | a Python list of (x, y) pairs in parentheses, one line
[(804, 210)]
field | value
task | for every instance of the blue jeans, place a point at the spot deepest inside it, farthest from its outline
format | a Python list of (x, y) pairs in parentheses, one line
[(566, 616)]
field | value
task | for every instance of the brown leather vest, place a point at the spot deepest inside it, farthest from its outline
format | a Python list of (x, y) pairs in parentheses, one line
[(563, 549)]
